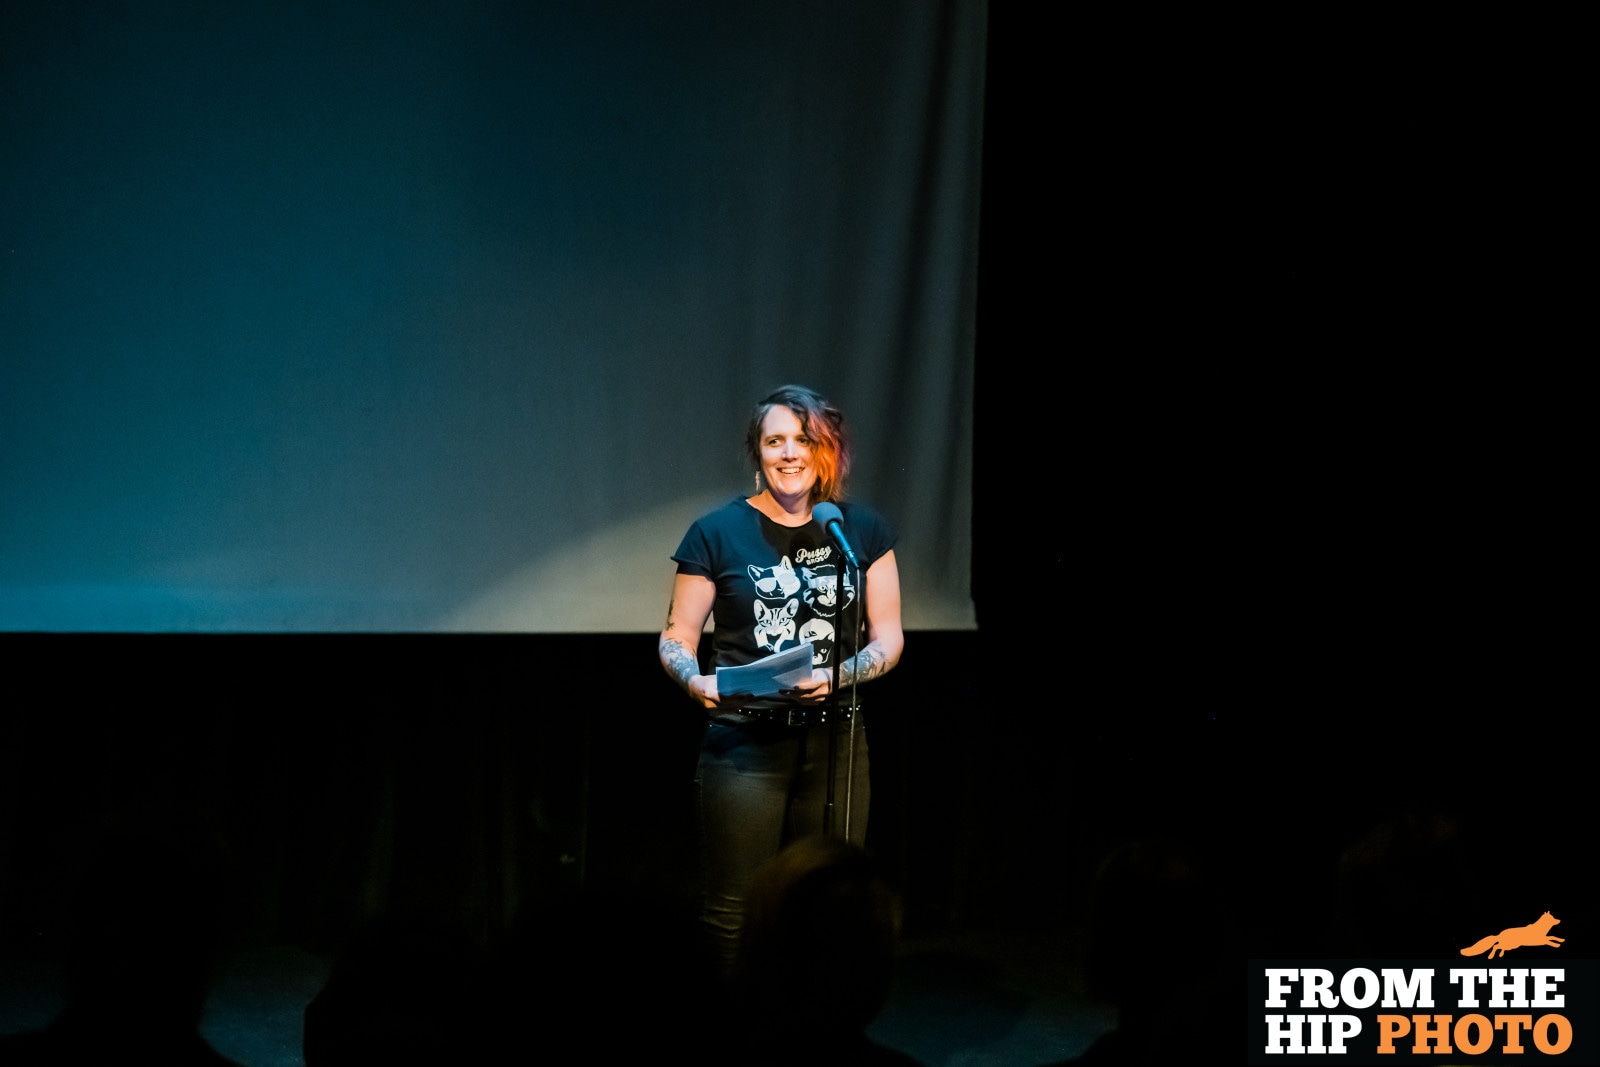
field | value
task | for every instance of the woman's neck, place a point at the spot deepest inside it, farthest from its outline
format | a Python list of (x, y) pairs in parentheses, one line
[(785, 511)]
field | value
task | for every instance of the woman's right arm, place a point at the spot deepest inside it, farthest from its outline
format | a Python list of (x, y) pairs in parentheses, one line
[(693, 596)]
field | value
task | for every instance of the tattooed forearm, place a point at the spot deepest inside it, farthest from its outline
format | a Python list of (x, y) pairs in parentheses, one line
[(678, 661), (862, 667)]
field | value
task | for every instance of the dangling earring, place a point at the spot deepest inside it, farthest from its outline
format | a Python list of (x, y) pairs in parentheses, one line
[(758, 483)]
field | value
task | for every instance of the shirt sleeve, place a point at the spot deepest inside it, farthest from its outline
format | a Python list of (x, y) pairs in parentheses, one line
[(694, 553), (876, 534)]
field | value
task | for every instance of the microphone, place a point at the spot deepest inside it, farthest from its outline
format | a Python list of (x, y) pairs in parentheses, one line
[(832, 520)]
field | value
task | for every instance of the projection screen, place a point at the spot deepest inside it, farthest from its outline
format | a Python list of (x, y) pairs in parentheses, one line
[(448, 317)]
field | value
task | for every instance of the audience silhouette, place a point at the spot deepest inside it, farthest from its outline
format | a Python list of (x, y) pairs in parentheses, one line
[(816, 960), (1160, 951), (403, 991), (581, 975), (1408, 886), (602, 976), (144, 943)]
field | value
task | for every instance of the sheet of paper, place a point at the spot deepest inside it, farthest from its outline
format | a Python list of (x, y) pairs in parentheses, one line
[(766, 677)]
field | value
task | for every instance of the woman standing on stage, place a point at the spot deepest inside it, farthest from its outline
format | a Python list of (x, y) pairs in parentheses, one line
[(771, 578)]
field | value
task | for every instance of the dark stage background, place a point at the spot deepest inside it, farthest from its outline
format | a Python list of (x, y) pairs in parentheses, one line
[(1273, 519)]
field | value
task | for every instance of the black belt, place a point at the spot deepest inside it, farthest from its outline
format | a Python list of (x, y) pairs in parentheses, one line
[(798, 715)]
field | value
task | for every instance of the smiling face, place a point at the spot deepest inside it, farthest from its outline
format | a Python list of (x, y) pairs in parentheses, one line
[(815, 428), (786, 461)]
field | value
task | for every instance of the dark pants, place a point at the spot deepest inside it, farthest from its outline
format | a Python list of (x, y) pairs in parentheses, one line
[(759, 788)]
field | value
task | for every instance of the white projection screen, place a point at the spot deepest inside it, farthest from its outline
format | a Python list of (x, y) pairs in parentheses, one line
[(448, 317)]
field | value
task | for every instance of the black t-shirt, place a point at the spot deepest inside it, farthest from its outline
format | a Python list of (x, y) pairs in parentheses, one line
[(778, 586)]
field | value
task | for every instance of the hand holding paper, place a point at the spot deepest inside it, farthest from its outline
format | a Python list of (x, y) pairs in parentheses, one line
[(767, 677)]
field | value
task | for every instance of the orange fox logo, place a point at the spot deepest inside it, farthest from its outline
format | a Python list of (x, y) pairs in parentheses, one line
[(1537, 933)]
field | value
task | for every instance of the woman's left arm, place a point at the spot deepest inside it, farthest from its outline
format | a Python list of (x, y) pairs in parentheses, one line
[(885, 638)]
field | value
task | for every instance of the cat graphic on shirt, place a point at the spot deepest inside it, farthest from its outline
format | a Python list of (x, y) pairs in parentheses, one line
[(822, 589), (775, 583), (775, 625), (820, 633)]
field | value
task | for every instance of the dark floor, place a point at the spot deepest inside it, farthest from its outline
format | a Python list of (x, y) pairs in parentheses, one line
[(976, 998)]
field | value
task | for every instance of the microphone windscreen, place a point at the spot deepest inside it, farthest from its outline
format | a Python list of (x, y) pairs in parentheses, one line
[(827, 512)]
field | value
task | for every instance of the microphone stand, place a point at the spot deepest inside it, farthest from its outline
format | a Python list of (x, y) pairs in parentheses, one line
[(855, 706), (830, 709), (832, 716)]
